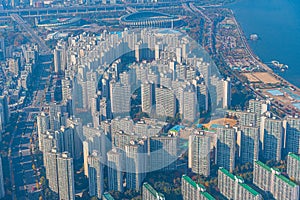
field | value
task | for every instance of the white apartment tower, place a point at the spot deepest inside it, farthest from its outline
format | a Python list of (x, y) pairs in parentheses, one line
[(115, 164), (96, 175), (271, 137), (147, 90), (225, 152), (248, 144), (199, 154), (65, 171)]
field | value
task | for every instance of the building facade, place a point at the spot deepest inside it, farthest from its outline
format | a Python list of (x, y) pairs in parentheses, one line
[(274, 183), (233, 187)]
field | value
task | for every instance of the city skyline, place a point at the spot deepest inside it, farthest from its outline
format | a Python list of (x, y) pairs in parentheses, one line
[(141, 100)]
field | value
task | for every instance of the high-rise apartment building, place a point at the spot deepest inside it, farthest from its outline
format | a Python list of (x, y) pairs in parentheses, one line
[(233, 187), (293, 166), (199, 154), (163, 152), (60, 174), (272, 181), (60, 57), (4, 111), (271, 137), (96, 175), (292, 134), (65, 171), (227, 93), (51, 169), (248, 142), (120, 95), (192, 191), (43, 124), (190, 106), (148, 97), (165, 102), (248, 119), (259, 107), (136, 160), (116, 166), (149, 193), (226, 148)]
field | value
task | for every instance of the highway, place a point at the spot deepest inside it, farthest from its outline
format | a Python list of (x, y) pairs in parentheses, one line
[(43, 48), (83, 9)]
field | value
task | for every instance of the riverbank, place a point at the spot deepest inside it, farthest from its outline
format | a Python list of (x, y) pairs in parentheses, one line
[(278, 25), (248, 68)]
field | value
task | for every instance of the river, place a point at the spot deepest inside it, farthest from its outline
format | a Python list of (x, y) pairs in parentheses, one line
[(277, 23)]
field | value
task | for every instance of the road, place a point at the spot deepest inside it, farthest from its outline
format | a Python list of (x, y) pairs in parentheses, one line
[(44, 49), (24, 177), (24, 171)]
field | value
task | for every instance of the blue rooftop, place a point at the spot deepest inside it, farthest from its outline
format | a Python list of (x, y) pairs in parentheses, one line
[(177, 128), (294, 96), (199, 125), (297, 105), (275, 92)]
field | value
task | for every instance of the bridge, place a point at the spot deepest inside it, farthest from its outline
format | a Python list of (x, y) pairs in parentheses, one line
[(43, 48)]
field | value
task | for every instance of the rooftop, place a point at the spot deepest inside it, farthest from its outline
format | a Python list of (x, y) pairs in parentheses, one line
[(281, 177), (263, 165), (192, 183), (244, 185), (250, 189), (286, 180), (207, 196), (107, 196), (295, 156), (227, 173), (152, 190)]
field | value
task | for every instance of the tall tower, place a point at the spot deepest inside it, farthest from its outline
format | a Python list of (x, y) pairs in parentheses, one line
[(227, 93), (190, 108), (163, 152), (199, 154), (147, 90), (43, 124), (271, 137), (149, 193), (120, 98), (51, 169), (65, 171), (225, 153), (248, 144), (60, 57), (115, 164), (96, 175), (135, 164), (292, 128), (165, 102)]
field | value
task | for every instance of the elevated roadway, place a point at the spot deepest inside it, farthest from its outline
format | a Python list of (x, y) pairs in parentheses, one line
[(82, 10), (43, 48)]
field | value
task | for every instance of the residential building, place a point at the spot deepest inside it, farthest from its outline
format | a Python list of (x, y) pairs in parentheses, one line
[(274, 183), (149, 193), (192, 191), (226, 147), (293, 166), (233, 187), (199, 153)]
